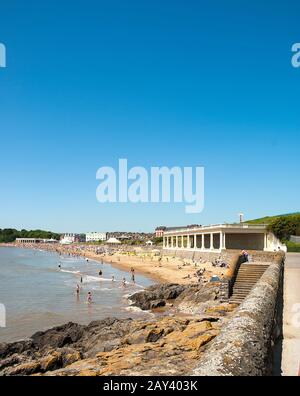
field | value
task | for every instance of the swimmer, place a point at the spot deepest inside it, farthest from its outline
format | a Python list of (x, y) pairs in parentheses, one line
[(100, 273), (59, 266)]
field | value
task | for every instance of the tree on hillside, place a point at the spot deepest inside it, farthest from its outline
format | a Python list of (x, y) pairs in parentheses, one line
[(285, 226)]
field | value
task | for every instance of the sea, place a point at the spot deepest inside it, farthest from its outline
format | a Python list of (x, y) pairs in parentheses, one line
[(35, 294)]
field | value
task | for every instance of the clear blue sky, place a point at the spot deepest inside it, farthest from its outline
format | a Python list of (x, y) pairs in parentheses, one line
[(186, 83)]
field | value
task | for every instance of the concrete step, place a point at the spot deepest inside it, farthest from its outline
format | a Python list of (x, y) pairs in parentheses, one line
[(247, 280), (252, 270)]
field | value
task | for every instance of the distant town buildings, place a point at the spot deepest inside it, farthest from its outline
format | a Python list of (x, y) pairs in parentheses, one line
[(95, 236), (130, 236), (69, 238), (159, 231)]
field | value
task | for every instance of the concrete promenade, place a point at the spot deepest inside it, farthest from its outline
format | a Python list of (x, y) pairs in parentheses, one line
[(291, 316)]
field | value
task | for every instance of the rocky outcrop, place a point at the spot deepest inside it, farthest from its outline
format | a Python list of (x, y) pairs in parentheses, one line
[(188, 298), (156, 295), (169, 345)]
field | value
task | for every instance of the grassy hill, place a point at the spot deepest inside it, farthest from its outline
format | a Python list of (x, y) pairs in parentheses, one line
[(283, 226), (271, 219)]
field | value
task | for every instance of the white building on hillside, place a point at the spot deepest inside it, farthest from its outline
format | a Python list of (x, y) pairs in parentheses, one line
[(95, 236)]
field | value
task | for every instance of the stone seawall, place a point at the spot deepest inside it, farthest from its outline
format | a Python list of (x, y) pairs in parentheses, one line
[(191, 254), (226, 255), (245, 344)]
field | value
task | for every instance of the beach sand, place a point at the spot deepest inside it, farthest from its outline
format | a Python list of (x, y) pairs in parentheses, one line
[(162, 269), (168, 269)]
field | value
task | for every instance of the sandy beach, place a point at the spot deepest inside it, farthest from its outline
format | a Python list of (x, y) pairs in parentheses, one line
[(168, 269)]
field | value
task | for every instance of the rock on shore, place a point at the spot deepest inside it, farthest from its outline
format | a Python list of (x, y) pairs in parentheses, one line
[(193, 298)]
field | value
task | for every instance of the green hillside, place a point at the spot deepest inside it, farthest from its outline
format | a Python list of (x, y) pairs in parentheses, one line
[(283, 226), (270, 219)]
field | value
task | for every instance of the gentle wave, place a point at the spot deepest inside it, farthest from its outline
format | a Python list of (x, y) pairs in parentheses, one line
[(138, 310), (70, 272), (90, 278)]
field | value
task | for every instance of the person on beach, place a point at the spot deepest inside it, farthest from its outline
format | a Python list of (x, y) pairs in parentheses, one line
[(245, 254), (89, 297)]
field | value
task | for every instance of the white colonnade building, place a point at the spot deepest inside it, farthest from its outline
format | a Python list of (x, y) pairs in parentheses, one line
[(215, 238)]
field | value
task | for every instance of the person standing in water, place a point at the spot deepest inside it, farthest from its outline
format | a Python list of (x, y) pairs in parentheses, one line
[(100, 273), (132, 275), (81, 280), (113, 278), (124, 282), (89, 297), (77, 289)]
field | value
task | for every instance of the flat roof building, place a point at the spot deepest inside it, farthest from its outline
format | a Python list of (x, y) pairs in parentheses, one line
[(95, 236), (215, 238), (35, 240)]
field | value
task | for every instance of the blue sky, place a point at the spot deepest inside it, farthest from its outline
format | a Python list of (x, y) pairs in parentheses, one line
[(173, 83)]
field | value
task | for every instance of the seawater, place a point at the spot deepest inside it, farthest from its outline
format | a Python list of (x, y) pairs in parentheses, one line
[(38, 295)]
